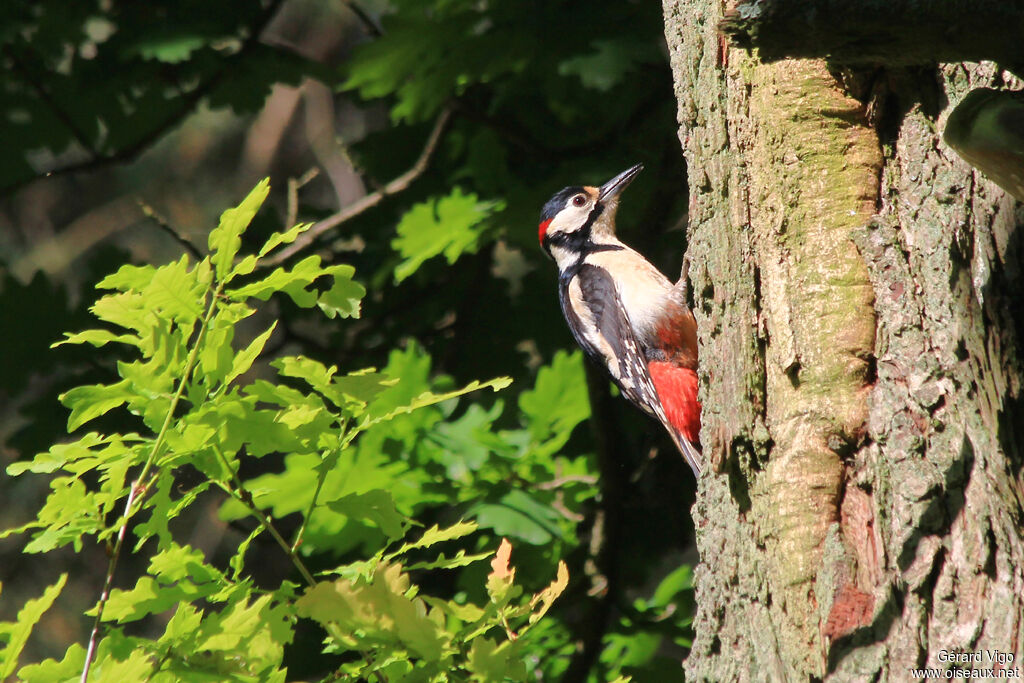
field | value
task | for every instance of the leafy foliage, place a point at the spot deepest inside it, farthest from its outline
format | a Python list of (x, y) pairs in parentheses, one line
[(186, 386)]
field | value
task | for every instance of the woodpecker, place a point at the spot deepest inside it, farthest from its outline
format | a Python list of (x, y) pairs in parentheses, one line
[(622, 311)]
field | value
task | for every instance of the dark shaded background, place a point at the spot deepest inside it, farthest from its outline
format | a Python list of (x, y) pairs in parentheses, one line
[(127, 128)]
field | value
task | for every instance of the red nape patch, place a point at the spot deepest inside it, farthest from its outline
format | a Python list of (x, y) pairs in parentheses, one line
[(543, 230), (677, 390)]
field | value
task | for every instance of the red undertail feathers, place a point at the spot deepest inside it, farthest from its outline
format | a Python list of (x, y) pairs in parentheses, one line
[(677, 391)]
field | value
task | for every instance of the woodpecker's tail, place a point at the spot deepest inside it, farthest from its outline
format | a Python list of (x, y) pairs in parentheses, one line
[(677, 391), (690, 453)]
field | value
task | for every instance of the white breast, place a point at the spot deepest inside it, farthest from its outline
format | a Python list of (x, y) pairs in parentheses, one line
[(643, 289)]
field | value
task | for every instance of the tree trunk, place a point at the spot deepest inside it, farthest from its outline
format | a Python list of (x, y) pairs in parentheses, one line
[(859, 299)]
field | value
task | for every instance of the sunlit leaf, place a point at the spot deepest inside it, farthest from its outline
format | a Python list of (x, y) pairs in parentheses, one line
[(558, 401), (547, 596), (16, 634), (97, 338), (226, 238), (129, 277), (429, 398), (286, 237), (176, 291), (340, 299), (436, 534), (177, 574), (449, 225), (460, 559), (90, 401), (376, 506), (68, 669), (69, 514), (491, 661), (379, 609), (244, 359)]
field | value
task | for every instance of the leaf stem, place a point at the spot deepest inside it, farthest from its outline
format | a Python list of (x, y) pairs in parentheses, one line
[(242, 495), (346, 439), (321, 478)]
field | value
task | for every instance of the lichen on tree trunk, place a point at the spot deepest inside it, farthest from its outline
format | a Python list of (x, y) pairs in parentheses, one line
[(861, 371), (813, 168)]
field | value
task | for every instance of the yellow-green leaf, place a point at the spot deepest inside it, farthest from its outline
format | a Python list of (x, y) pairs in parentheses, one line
[(448, 225), (550, 594), (379, 610), (435, 534), (244, 359), (286, 237), (92, 400), (19, 632), (226, 238)]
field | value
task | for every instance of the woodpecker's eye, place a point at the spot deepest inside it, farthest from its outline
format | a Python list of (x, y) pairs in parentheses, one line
[(579, 200)]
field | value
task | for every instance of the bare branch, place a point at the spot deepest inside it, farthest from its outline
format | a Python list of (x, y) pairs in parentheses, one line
[(294, 185), (371, 200), (559, 482), (243, 496), (364, 17), (164, 225), (47, 97)]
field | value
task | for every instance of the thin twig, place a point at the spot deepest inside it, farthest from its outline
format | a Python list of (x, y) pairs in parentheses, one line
[(294, 185), (108, 582), (309, 511), (242, 495), (347, 436), (164, 225), (138, 492), (558, 482), (369, 201), (321, 478), (47, 98)]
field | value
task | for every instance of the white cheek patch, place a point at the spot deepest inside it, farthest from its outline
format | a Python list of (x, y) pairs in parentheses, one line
[(569, 220)]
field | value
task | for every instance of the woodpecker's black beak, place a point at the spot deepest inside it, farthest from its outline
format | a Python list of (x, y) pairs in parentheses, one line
[(617, 184)]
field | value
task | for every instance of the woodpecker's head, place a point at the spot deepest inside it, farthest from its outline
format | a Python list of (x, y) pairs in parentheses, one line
[(580, 216)]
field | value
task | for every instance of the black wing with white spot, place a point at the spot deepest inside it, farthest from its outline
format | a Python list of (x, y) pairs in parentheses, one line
[(599, 323)]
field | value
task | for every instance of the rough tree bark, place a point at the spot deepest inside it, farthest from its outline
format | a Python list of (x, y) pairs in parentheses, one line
[(858, 291)]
